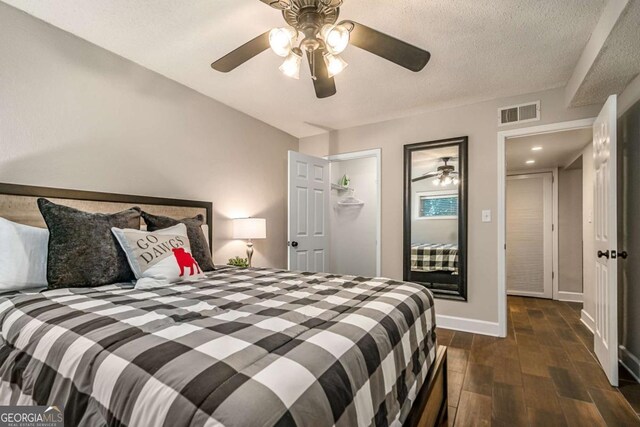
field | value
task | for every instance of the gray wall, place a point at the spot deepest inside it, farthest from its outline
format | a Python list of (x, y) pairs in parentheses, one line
[(479, 122), (570, 230), (74, 115), (629, 236)]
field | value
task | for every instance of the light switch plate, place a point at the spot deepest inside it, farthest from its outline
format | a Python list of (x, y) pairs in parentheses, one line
[(486, 216)]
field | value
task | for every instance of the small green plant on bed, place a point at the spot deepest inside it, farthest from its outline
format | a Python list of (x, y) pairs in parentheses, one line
[(239, 262)]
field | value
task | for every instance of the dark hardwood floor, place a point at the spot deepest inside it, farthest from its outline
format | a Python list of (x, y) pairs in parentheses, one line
[(543, 374)]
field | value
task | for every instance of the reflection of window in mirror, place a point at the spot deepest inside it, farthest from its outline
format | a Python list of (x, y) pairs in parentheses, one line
[(436, 205)]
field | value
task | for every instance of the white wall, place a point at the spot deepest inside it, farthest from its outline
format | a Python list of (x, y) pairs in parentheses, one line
[(570, 230), (74, 115), (353, 229), (479, 122)]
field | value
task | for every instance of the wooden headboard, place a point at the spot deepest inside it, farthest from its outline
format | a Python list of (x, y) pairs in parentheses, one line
[(18, 204)]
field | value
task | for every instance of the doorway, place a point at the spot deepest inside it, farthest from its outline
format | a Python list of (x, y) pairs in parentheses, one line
[(522, 168), (334, 219), (544, 214), (603, 223), (354, 217)]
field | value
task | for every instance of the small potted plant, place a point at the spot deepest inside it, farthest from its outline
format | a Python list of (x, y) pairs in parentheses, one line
[(239, 262)]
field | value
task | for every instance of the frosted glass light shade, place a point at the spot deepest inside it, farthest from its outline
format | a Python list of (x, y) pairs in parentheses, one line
[(250, 228), (336, 38), (291, 66), (281, 40), (335, 64)]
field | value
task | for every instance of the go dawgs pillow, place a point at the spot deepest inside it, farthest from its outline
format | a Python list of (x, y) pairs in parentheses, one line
[(159, 257)]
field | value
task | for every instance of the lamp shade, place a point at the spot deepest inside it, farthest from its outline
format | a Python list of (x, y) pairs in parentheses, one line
[(250, 228)]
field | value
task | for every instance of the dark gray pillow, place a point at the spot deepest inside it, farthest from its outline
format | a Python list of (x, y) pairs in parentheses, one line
[(83, 251), (199, 246)]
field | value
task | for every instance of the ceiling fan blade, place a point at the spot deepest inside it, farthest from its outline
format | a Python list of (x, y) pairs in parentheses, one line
[(430, 174), (278, 4), (242, 54), (324, 85), (425, 176), (408, 56), (420, 178)]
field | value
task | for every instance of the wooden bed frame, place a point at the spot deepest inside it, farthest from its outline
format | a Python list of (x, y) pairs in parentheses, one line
[(430, 407)]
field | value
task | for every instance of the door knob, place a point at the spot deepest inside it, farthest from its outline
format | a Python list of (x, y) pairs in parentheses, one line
[(604, 254), (294, 244), (623, 254)]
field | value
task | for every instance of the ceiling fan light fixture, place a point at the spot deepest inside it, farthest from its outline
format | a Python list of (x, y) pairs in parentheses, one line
[(336, 38), (281, 4), (335, 64), (436, 182), (291, 65), (281, 40)]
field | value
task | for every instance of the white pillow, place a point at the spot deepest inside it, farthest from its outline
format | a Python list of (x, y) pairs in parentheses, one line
[(160, 257), (23, 256)]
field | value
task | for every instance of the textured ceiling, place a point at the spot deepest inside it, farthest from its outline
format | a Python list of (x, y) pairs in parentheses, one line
[(481, 49), (429, 159), (558, 149), (618, 62)]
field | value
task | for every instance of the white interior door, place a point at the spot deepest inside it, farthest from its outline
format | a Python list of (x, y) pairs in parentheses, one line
[(309, 192), (606, 240), (530, 235)]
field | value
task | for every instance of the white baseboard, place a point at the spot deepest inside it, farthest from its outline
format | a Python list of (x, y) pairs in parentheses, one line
[(587, 320), (570, 296), (463, 324), (629, 361)]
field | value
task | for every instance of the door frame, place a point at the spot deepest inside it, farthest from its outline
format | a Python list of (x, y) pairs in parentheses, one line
[(501, 214), (365, 154), (554, 220)]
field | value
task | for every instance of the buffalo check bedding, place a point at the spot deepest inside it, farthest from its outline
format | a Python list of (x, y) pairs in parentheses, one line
[(434, 257), (255, 347)]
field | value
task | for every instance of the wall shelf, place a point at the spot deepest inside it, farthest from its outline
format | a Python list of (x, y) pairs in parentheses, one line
[(339, 187)]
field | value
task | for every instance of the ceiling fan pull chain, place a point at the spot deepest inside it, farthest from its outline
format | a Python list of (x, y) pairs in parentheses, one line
[(313, 66)]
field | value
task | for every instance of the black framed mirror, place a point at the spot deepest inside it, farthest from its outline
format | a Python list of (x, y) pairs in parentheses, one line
[(435, 216)]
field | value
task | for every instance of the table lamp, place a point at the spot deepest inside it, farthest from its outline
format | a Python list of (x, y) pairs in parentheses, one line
[(249, 228)]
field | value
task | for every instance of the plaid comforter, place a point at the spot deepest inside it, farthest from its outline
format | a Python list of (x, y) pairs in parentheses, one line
[(255, 347), (434, 257)]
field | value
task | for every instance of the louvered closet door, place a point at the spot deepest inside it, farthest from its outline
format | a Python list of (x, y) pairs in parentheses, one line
[(530, 235)]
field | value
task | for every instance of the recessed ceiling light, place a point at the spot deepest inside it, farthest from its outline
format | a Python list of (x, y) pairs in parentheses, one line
[(538, 148), (530, 162)]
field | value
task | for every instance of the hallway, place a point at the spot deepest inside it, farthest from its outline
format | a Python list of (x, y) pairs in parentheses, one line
[(543, 374)]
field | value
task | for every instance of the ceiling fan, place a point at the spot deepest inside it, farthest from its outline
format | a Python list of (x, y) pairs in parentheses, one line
[(445, 175), (313, 31)]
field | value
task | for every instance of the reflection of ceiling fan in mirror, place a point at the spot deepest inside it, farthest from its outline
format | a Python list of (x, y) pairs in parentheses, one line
[(443, 176), (313, 31)]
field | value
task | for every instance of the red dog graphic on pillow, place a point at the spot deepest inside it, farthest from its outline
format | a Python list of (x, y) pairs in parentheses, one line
[(185, 260)]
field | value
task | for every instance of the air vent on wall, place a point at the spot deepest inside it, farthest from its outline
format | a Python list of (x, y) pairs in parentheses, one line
[(519, 113)]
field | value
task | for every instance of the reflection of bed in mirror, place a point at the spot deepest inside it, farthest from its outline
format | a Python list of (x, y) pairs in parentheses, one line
[(434, 257)]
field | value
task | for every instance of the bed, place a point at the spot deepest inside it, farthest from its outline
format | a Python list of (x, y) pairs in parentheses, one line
[(432, 257), (238, 347)]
